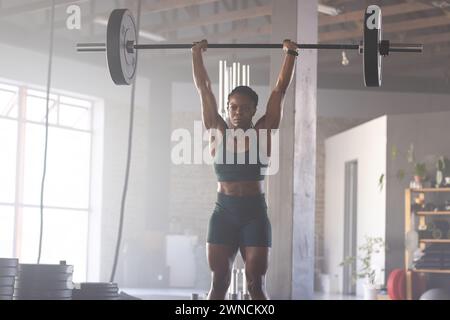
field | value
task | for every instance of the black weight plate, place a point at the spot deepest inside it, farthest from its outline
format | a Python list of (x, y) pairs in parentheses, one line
[(90, 294), (99, 293), (95, 298), (104, 294), (8, 262), (8, 272), (99, 288), (7, 281), (6, 290), (121, 63), (28, 276), (39, 298), (43, 293), (95, 292), (44, 285), (372, 39), (45, 268), (98, 285)]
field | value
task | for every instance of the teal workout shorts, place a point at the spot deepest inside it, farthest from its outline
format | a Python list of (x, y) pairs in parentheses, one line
[(240, 221)]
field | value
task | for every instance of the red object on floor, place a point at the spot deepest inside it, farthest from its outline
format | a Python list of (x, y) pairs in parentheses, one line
[(396, 285)]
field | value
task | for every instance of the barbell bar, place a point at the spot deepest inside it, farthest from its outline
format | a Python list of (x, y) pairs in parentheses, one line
[(121, 46), (394, 47)]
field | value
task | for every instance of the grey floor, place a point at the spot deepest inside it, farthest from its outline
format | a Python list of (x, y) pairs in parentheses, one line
[(186, 294)]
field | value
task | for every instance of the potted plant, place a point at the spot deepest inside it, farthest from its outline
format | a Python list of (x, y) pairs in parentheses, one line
[(418, 170), (442, 171), (420, 174), (371, 247)]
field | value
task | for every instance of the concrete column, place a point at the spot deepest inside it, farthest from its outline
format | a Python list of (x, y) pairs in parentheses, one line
[(291, 192), (305, 154), (279, 187)]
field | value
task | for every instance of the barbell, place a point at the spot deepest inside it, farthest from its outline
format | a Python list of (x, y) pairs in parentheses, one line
[(121, 46)]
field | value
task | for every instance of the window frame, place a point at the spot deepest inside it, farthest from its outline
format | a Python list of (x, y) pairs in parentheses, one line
[(20, 99)]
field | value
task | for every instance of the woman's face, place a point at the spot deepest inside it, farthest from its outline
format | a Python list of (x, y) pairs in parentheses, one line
[(241, 110)]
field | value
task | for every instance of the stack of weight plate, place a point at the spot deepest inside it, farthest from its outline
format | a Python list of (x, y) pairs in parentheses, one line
[(8, 271), (44, 282), (96, 291)]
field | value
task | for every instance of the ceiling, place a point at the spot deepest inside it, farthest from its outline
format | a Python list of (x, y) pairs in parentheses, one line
[(25, 23)]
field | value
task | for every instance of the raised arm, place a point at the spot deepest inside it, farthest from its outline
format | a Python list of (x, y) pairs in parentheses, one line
[(272, 117), (210, 115)]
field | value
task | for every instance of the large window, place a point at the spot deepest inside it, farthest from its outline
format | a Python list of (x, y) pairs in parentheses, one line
[(67, 188)]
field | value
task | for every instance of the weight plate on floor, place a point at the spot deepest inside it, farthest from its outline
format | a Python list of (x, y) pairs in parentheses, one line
[(7, 281), (94, 294), (87, 285), (98, 284), (6, 290), (8, 272), (45, 268), (43, 293), (8, 262), (39, 298), (44, 285), (94, 298), (121, 30), (99, 292), (96, 287), (47, 277), (372, 38)]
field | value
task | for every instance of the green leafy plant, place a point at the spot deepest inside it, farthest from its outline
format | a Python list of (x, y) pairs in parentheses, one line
[(416, 168), (443, 164), (381, 182), (420, 169), (371, 247)]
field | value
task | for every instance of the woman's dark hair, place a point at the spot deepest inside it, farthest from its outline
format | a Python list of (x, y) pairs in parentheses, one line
[(247, 91)]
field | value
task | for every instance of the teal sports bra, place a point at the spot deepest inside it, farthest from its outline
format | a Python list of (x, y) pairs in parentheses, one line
[(240, 166)]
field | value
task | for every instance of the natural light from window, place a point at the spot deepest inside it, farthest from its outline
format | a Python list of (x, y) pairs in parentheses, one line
[(66, 201)]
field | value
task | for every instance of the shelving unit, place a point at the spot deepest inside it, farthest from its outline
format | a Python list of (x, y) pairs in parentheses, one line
[(433, 213), (435, 241), (423, 242)]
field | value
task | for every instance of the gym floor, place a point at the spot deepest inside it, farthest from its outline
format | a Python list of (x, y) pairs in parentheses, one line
[(115, 179)]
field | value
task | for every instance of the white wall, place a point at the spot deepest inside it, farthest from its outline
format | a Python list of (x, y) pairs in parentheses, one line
[(366, 144)]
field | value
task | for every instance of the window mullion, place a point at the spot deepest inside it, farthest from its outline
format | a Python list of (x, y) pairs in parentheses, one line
[(20, 166)]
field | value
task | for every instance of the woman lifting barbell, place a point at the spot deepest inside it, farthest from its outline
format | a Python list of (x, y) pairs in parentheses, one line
[(239, 220)]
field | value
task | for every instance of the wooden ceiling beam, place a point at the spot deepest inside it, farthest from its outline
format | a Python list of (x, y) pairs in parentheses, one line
[(249, 13), (34, 6), (387, 11), (166, 5), (396, 27), (239, 33)]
